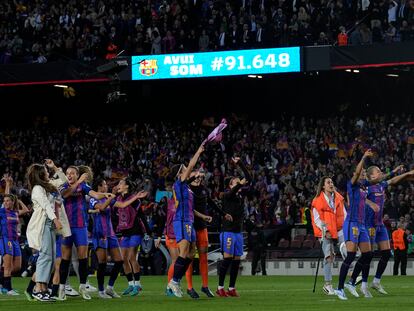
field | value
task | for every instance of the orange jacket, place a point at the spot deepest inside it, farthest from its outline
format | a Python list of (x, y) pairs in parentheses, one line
[(342, 39), (334, 220), (398, 239)]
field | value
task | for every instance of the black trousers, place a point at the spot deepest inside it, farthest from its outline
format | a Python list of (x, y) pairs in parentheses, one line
[(259, 254), (400, 257)]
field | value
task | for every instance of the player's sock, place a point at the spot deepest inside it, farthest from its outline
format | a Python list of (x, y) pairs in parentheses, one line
[(64, 270), (189, 276), (55, 290), (344, 269), (170, 272), (130, 278), (382, 264), (179, 267), (114, 273), (327, 269), (1, 276), (100, 276), (364, 284), (7, 283), (357, 270), (83, 270), (137, 278), (234, 271), (365, 268), (30, 287), (204, 269), (223, 270)]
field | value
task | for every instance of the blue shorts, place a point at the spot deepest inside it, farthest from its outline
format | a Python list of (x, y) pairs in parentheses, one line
[(231, 243), (378, 234), (130, 241), (184, 230), (10, 247), (79, 237), (105, 243), (59, 246), (355, 232)]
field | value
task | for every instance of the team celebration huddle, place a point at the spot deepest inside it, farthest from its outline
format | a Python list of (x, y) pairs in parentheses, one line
[(64, 203)]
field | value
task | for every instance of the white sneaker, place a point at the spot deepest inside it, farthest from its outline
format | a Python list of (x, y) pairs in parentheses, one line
[(12, 293), (69, 291), (328, 289), (366, 292), (110, 291), (91, 288), (341, 294), (103, 295), (352, 289), (378, 287), (175, 289), (84, 293)]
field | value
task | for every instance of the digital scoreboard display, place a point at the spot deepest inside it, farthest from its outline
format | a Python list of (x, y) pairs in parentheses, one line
[(216, 64)]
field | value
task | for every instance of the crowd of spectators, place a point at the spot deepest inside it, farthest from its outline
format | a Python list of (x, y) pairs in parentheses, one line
[(287, 157), (40, 31)]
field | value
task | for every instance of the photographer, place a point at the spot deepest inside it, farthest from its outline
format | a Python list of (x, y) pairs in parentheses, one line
[(256, 243)]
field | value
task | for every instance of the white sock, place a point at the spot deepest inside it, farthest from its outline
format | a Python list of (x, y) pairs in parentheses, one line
[(220, 287), (231, 288), (110, 287), (131, 283), (364, 285), (376, 281), (102, 292), (137, 283), (82, 286)]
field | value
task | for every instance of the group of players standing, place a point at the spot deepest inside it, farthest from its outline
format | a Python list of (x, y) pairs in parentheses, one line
[(60, 219), (358, 223)]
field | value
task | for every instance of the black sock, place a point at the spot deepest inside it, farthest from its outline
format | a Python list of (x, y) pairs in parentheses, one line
[(367, 263), (137, 276), (55, 289), (223, 270), (30, 287), (234, 271), (357, 270), (114, 272), (50, 284), (83, 270), (188, 262), (7, 283), (1, 276), (382, 264), (344, 269), (63, 271), (100, 276), (179, 269), (129, 277)]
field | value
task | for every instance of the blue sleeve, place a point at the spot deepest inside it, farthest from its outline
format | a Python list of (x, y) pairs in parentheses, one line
[(86, 188), (63, 187), (365, 183), (92, 203), (384, 184)]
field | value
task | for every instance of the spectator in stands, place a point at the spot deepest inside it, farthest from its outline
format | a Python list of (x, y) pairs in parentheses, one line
[(342, 36)]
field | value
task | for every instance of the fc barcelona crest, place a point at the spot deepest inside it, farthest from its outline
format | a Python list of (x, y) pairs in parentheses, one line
[(148, 67)]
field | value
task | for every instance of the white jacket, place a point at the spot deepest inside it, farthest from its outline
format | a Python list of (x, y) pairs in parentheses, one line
[(43, 207)]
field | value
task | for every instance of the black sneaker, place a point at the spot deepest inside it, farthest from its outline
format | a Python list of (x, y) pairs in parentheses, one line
[(42, 296), (208, 292), (192, 293)]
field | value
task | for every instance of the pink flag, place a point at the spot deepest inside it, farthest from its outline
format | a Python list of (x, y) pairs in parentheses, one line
[(216, 135)]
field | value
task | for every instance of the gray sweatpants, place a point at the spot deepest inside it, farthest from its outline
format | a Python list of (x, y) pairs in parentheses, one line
[(328, 251), (47, 253)]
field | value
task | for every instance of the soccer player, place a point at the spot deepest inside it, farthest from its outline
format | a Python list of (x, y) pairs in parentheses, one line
[(104, 240), (132, 225), (183, 221), (328, 214), (73, 194), (374, 224), (231, 237), (355, 233)]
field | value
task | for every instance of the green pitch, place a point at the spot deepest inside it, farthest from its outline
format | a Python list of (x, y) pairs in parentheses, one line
[(257, 293)]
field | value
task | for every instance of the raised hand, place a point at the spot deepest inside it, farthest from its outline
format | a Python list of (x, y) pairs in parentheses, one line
[(83, 178), (235, 159), (208, 219), (368, 153), (142, 194), (398, 169), (228, 217)]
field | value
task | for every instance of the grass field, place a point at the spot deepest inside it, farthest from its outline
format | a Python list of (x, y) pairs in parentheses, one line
[(257, 293)]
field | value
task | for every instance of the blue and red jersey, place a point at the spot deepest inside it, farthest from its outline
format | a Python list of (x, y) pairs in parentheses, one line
[(9, 220), (357, 195), (184, 201), (376, 194), (102, 224), (76, 205)]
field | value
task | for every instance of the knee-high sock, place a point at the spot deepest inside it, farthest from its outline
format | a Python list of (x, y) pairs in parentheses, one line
[(114, 272), (367, 262), (204, 269), (223, 270), (357, 269), (344, 269), (234, 271), (100, 276), (83, 270), (327, 269), (8, 283), (30, 287), (382, 264), (189, 276), (64, 271), (179, 269)]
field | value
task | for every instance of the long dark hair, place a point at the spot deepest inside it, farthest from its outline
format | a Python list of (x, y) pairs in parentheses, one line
[(97, 183), (36, 175), (14, 200), (321, 183), (132, 186)]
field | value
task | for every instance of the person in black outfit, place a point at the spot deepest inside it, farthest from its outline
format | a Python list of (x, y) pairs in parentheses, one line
[(256, 243), (231, 237)]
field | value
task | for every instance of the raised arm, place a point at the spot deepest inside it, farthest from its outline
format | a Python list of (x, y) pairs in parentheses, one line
[(104, 205), (71, 188), (392, 174), (23, 210), (202, 216), (397, 179), (192, 163), (360, 166), (139, 195)]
